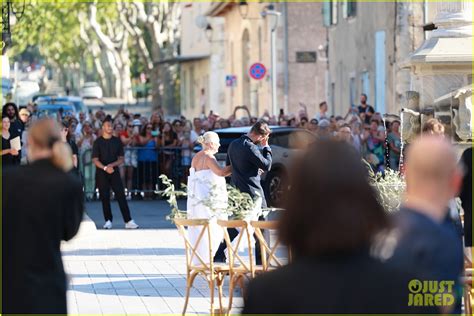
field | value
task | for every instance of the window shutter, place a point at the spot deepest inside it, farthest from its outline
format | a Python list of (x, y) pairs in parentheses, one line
[(327, 13), (351, 8), (345, 8)]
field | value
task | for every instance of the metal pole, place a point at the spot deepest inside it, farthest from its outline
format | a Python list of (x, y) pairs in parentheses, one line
[(285, 56), (274, 74)]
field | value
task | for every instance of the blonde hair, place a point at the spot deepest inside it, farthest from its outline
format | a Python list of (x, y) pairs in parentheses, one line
[(209, 138), (46, 134)]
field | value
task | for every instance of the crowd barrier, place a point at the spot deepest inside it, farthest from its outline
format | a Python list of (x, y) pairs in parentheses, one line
[(140, 171)]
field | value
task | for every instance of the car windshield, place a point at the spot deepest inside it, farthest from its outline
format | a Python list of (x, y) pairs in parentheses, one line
[(48, 110), (77, 102)]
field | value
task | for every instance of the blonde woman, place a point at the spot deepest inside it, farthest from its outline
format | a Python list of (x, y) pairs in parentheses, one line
[(206, 181)]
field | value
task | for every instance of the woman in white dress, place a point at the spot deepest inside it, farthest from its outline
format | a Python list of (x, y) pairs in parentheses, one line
[(207, 186)]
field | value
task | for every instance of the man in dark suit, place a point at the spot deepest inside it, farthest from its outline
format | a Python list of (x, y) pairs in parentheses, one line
[(248, 162), (427, 246)]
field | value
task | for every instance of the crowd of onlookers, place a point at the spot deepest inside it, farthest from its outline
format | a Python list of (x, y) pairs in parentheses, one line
[(349, 236), (154, 145)]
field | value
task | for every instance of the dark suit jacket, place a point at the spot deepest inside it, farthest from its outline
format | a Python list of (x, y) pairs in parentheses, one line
[(339, 284), (431, 250), (466, 196), (246, 159), (42, 205)]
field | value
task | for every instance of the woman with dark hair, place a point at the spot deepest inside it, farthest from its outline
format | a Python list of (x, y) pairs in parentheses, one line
[(42, 205), (148, 159), (331, 221), (168, 139), (157, 121), (16, 125), (66, 133), (9, 155)]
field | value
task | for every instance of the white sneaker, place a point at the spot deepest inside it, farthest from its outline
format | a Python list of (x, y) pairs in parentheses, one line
[(131, 225), (108, 225)]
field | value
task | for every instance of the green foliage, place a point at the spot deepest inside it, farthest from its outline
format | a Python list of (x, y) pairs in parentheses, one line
[(54, 28), (240, 205), (389, 187), (172, 194)]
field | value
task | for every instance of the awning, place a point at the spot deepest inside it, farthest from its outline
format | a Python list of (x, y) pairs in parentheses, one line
[(217, 8), (442, 50), (454, 94), (181, 59)]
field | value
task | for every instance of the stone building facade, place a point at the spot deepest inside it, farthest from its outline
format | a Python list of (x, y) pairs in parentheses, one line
[(301, 67), (368, 45)]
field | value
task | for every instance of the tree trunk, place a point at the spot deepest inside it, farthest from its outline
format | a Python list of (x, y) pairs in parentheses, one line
[(156, 99)]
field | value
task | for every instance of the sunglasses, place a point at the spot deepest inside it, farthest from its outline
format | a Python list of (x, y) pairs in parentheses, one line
[(130, 126)]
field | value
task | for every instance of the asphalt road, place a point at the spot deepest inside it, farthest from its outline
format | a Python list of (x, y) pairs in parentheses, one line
[(147, 214), (112, 105)]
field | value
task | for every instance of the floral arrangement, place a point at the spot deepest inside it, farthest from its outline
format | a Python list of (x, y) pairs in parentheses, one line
[(389, 186), (240, 205)]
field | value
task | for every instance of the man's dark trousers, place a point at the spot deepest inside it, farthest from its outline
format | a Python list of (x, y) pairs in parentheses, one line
[(105, 182)]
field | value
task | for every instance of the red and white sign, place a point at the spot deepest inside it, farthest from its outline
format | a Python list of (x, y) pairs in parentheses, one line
[(257, 71)]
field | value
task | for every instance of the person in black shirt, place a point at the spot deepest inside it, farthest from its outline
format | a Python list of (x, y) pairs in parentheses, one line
[(42, 205), (331, 244), (107, 155), (9, 155), (16, 125), (365, 109)]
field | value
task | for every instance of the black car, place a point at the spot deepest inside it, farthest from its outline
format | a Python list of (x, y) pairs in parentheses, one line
[(285, 143)]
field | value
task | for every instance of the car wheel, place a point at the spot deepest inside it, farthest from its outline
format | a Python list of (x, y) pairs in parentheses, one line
[(276, 187)]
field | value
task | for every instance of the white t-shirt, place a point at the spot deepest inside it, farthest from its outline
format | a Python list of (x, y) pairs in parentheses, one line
[(320, 116), (194, 136)]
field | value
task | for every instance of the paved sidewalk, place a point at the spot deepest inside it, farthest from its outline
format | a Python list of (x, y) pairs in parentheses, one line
[(131, 272)]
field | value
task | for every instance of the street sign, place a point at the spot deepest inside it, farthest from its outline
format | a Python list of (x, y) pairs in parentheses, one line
[(231, 80), (257, 71)]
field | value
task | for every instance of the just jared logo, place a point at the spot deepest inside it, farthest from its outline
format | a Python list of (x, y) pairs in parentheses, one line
[(430, 293)]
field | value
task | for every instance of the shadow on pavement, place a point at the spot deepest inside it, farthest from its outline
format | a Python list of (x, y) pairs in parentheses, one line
[(147, 214), (125, 252)]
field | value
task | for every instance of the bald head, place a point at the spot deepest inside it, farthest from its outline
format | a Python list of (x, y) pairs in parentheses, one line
[(432, 173), (430, 159)]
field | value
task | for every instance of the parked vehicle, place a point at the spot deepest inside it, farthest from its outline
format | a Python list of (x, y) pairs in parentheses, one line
[(285, 143), (24, 91), (76, 101), (53, 109), (91, 90), (39, 96), (6, 86)]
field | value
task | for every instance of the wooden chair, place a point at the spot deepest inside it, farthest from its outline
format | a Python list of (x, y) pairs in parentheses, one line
[(213, 273), (467, 279), (270, 259), (239, 267)]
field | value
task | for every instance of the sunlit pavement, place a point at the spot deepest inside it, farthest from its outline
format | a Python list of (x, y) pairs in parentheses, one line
[(131, 272)]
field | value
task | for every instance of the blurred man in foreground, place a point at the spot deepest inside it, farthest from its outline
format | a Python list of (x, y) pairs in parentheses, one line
[(425, 245)]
